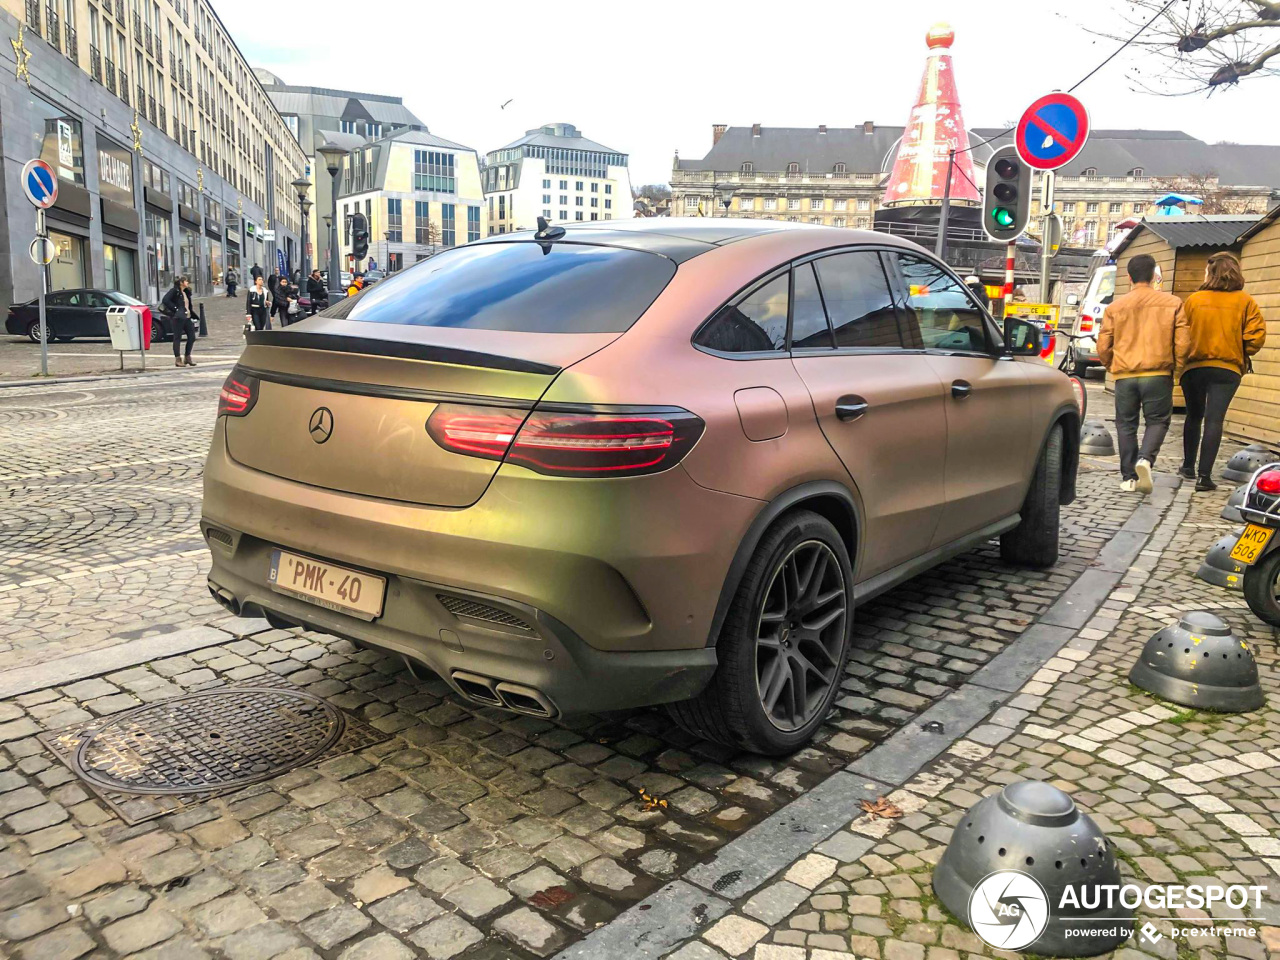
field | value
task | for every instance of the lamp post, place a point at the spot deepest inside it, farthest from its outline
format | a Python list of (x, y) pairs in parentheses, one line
[(386, 254), (333, 155), (301, 186), (724, 193)]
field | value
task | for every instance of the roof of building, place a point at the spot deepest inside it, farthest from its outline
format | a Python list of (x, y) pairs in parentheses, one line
[(1113, 153), (1266, 220), (1194, 230), (330, 102), (567, 138), (383, 157)]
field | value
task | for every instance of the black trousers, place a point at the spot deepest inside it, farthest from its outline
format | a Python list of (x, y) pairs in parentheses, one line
[(261, 319), (231, 288), (183, 325), (1208, 391), (1152, 397)]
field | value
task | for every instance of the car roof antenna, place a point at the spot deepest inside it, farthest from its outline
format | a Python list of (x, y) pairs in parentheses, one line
[(547, 232)]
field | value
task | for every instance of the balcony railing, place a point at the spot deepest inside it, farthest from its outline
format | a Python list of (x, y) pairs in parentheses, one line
[(110, 70), (95, 63), (151, 108), (120, 11), (137, 27), (55, 27), (124, 86), (164, 120), (33, 16), (188, 83), (73, 46), (147, 38), (173, 62)]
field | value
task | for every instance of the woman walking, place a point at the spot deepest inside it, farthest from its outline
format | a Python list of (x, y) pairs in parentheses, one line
[(1226, 330), (282, 297), (257, 305), (177, 307)]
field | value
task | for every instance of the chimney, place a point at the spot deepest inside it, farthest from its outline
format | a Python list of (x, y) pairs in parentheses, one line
[(822, 129), (755, 129), (868, 126), (717, 131)]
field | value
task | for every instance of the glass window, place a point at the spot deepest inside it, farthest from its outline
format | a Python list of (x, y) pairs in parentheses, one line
[(755, 323), (473, 223), (808, 319), (544, 288), (858, 301), (57, 139), (447, 235), (115, 172), (944, 311), (815, 203)]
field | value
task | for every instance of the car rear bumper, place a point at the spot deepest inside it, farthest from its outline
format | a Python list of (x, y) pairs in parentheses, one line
[(595, 594)]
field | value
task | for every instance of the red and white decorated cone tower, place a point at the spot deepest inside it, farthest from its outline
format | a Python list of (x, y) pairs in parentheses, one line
[(936, 128)]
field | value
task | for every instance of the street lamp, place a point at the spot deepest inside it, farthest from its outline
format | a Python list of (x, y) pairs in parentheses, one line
[(301, 186), (386, 259), (333, 155), (724, 193)]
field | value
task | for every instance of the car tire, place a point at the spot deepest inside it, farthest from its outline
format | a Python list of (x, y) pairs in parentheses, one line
[(157, 331), (33, 331), (759, 660), (1034, 541), (1262, 588)]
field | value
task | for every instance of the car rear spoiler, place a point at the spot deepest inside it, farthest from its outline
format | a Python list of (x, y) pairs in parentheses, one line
[(374, 346)]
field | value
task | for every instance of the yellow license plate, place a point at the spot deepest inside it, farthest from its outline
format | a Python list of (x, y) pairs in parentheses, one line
[(327, 584), (1251, 543)]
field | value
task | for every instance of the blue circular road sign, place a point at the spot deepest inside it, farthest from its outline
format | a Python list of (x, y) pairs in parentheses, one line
[(1052, 131), (40, 183)]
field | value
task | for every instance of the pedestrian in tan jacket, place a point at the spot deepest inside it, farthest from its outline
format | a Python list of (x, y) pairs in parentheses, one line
[(1227, 328), (1145, 337)]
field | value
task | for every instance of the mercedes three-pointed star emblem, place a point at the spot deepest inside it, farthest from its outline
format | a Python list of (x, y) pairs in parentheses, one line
[(321, 425)]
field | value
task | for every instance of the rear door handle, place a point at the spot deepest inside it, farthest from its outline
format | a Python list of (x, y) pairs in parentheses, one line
[(961, 389), (850, 407)]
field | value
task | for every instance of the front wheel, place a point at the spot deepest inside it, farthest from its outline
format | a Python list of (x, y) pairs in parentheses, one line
[(1034, 541), (1262, 588), (33, 331), (784, 642)]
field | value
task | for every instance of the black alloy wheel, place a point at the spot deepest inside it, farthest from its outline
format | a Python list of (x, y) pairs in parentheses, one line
[(800, 635)]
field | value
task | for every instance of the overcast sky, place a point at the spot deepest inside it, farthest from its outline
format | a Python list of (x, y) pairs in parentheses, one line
[(650, 78)]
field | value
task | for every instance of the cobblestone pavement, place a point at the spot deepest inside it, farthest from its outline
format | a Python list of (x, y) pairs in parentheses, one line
[(475, 833), (224, 316)]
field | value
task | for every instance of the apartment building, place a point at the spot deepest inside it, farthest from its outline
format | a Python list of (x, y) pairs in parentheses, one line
[(421, 193), (554, 172), (171, 158)]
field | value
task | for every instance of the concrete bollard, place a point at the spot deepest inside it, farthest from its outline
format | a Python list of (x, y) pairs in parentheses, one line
[(1095, 439), (1218, 568), (204, 327), (1198, 662)]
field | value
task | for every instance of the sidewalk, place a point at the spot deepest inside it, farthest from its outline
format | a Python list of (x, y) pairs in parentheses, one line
[(224, 316)]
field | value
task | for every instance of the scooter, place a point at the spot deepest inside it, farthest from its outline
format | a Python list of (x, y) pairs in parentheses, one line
[(1258, 547)]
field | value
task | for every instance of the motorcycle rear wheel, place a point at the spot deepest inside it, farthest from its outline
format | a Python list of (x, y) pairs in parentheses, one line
[(1262, 588)]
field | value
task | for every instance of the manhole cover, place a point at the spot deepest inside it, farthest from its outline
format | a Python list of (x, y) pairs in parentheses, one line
[(208, 741)]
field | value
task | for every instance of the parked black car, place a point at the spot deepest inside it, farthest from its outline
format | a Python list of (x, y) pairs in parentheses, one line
[(77, 313)]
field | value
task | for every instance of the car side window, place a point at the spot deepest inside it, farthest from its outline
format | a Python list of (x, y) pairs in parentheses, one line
[(100, 300), (809, 328), (941, 306), (754, 323), (859, 303), (57, 300), (76, 300)]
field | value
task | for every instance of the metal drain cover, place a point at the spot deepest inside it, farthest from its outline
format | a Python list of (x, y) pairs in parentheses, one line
[(209, 741), (163, 756)]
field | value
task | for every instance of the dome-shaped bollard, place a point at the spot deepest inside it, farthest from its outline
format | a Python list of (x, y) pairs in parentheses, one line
[(1095, 439), (1231, 511), (1242, 466), (1218, 568), (1198, 662), (1034, 829)]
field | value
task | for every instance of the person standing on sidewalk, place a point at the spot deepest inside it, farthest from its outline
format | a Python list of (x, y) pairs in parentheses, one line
[(232, 277), (1145, 338), (176, 305), (316, 292), (1227, 329), (257, 305)]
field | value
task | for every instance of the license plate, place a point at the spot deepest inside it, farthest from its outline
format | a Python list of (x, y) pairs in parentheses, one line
[(327, 584), (1251, 543)]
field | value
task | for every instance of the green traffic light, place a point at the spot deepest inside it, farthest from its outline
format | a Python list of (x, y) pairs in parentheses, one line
[(1002, 216)]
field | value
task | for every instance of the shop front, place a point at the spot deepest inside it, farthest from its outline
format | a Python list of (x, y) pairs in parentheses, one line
[(189, 242), (120, 222), (214, 264), (234, 261), (58, 140), (159, 230)]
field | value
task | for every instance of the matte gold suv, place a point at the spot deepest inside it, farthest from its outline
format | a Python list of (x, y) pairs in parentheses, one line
[(637, 462)]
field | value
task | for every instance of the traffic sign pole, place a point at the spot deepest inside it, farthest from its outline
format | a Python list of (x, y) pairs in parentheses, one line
[(44, 293), (1046, 230)]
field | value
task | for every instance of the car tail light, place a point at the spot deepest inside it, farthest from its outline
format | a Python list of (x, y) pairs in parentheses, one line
[(1269, 482), (1086, 324), (567, 442), (238, 394)]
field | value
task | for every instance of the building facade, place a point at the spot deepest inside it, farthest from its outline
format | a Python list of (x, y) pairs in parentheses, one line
[(421, 193), (556, 173), (317, 115), (170, 157), (836, 176)]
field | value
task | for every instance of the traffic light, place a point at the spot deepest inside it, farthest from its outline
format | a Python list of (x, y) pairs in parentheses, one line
[(1006, 204), (359, 236)]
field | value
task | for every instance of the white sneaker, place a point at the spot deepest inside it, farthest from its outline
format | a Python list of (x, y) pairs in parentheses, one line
[(1143, 468), (1128, 486)]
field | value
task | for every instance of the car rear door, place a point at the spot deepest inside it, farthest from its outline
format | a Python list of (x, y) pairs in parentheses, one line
[(986, 396), (95, 315), (879, 404), (75, 318)]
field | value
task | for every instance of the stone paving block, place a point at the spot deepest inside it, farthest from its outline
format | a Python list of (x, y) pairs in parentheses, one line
[(262, 942), (141, 931), (297, 903), (335, 925), (531, 930), (735, 935), (223, 916), (446, 937), (66, 943), (477, 897), (405, 911)]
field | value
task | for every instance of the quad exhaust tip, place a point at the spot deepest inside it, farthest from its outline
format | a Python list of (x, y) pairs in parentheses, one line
[(225, 598), (1198, 662), (1218, 568), (1030, 842), (500, 693)]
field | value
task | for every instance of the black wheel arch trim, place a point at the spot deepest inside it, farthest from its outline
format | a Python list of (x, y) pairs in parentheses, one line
[(1068, 417), (788, 500)]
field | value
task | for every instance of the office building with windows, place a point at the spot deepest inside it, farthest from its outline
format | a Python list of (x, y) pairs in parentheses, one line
[(420, 192), (170, 157), (555, 172), (317, 115)]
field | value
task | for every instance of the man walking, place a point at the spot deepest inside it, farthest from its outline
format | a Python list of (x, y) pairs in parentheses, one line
[(177, 307), (1145, 337)]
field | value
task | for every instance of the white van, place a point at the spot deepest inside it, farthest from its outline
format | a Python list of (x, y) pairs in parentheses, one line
[(1083, 354)]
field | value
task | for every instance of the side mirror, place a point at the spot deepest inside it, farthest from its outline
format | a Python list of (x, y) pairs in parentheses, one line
[(1022, 339), (1072, 300)]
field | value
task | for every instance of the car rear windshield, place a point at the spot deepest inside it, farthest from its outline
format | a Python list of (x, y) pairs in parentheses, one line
[(525, 287)]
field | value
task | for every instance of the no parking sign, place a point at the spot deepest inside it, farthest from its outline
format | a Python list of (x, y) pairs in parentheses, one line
[(1052, 131), (40, 184)]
